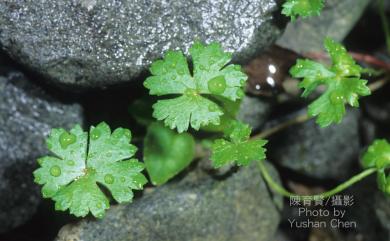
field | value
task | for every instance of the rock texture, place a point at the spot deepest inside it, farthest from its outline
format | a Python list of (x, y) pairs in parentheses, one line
[(27, 114), (336, 21), (371, 210), (94, 43), (254, 111), (319, 152), (194, 208)]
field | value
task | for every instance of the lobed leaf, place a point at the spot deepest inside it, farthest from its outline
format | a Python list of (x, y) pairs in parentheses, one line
[(238, 149), (71, 177), (212, 76), (302, 8), (342, 80)]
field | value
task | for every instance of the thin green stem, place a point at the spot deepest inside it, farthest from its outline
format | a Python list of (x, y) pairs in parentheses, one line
[(385, 23), (281, 190)]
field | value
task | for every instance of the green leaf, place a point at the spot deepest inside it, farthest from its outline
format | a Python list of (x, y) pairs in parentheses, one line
[(166, 153), (302, 8), (238, 149), (70, 178), (212, 77), (230, 110), (342, 80), (378, 156), (187, 109)]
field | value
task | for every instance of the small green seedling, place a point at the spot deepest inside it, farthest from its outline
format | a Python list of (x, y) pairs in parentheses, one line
[(238, 147), (378, 156), (83, 161), (342, 79), (302, 8)]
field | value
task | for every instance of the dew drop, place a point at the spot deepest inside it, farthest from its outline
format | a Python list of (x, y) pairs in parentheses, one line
[(95, 134), (127, 133), (70, 163), (55, 171), (336, 98), (240, 93), (66, 139), (109, 179), (99, 205), (217, 85), (190, 92), (212, 108), (123, 179)]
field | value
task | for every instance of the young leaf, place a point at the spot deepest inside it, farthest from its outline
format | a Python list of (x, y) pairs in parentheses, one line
[(212, 76), (239, 148), (378, 156), (166, 153), (70, 178), (303, 8), (342, 80)]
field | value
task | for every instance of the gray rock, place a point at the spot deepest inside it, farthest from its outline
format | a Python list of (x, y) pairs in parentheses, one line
[(27, 114), (97, 43), (194, 208), (254, 111), (336, 21), (371, 210), (318, 152)]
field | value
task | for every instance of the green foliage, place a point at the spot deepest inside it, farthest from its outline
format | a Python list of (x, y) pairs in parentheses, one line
[(70, 177), (166, 153), (342, 79), (238, 148), (302, 8), (378, 156), (211, 77)]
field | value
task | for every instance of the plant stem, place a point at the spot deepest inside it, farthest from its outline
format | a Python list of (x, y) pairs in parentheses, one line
[(268, 132), (282, 191), (385, 23), (378, 84)]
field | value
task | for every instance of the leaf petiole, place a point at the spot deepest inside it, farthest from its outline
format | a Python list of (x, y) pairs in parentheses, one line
[(282, 191)]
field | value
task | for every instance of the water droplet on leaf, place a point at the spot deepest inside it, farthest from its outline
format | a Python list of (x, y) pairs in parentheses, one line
[(109, 179), (240, 93), (95, 134), (70, 163), (190, 92), (127, 133), (66, 139), (217, 85), (55, 171), (336, 98)]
